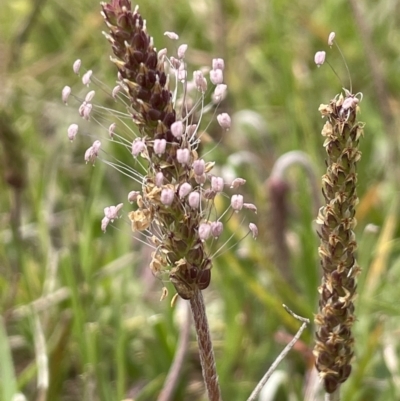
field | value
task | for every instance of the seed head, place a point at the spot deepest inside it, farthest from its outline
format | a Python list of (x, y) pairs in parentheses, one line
[(334, 344)]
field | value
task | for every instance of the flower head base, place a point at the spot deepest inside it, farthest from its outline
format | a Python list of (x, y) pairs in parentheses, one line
[(175, 204)]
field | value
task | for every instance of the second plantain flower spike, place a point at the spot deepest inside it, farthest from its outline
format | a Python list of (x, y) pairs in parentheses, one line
[(337, 251)]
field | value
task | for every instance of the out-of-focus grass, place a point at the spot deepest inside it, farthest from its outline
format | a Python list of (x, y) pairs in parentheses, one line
[(107, 335)]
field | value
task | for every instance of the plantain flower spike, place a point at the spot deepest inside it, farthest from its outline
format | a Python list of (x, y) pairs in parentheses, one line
[(172, 199), (336, 220)]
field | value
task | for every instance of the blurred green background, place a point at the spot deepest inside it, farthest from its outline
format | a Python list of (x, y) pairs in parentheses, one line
[(83, 305)]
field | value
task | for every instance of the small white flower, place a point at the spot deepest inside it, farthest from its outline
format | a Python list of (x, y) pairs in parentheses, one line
[(65, 94), (72, 131), (86, 78), (171, 35), (76, 66)]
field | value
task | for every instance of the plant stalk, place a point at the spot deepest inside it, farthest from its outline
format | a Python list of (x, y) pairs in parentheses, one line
[(335, 396), (206, 350)]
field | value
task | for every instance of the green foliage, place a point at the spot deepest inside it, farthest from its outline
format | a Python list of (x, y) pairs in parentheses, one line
[(107, 335)]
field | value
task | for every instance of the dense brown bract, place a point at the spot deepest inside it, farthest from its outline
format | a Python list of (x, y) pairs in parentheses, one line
[(334, 346)]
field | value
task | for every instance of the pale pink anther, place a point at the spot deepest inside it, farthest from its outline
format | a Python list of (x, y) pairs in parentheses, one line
[(200, 81), (254, 230), (177, 129), (237, 202), (350, 102), (218, 63), (237, 182), (159, 180), (96, 146), (219, 93), (86, 77), (224, 120), (216, 228), (182, 50), (319, 58), (162, 54), (77, 66), (111, 130), (250, 206), (132, 196), (199, 167), (167, 196), (194, 200), (137, 147), (65, 94), (171, 35), (183, 156), (331, 38), (216, 76), (159, 146), (111, 212), (184, 190), (86, 110), (115, 91), (92, 152), (89, 96), (72, 131), (217, 184), (104, 223), (83, 110), (204, 231)]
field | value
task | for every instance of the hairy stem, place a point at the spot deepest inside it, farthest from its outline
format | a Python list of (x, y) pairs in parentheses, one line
[(205, 346), (335, 396)]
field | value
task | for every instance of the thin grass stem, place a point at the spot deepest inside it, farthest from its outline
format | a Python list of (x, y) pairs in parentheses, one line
[(281, 356)]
